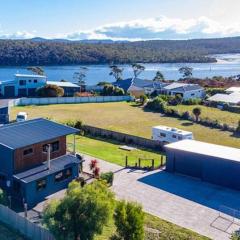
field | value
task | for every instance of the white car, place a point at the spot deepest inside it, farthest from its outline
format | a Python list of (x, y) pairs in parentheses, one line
[(21, 117)]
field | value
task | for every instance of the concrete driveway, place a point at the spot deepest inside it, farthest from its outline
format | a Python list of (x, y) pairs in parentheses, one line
[(184, 201)]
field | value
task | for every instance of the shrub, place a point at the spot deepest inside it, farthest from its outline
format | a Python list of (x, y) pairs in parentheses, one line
[(238, 127), (186, 115), (50, 91), (193, 101), (129, 221), (108, 177), (3, 198), (157, 104)]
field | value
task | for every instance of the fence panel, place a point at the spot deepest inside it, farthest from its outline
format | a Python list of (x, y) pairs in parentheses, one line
[(23, 225), (66, 100)]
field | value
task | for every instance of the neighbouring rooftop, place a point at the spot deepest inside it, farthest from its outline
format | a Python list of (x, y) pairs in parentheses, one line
[(18, 135), (233, 98), (29, 75), (207, 149), (62, 84), (233, 89)]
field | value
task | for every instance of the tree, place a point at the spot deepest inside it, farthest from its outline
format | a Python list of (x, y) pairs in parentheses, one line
[(187, 72), (50, 90), (82, 213), (159, 77), (116, 72), (197, 112), (137, 69), (110, 90), (129, 221), (36, 70), (80, 76)]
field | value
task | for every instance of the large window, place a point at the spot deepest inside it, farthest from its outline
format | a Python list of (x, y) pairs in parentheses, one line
[(22, 82), (65, 174), (27, 151), (41, 184), (54, 147)]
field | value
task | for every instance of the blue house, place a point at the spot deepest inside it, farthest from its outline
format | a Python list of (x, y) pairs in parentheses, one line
[(34, 162), (4, 112)]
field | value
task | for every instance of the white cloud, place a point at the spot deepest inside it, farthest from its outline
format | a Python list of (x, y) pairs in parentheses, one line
[(17, 35), (159, 28)]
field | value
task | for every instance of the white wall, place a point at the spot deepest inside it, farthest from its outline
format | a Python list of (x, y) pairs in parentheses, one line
[(66, 100)]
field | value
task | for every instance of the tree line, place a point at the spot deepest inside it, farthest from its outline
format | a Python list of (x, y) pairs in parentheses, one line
[(29, 52)]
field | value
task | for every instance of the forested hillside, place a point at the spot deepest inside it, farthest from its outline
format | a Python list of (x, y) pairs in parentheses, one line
[(30, 52)]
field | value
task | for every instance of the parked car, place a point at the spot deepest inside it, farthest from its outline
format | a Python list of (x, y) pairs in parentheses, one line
[(21, 117)]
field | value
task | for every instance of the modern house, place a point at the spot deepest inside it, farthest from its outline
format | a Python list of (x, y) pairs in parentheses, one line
[(25, 85), (187, 91), (138, 87), (34, 161), (166, 135), (208, 162)]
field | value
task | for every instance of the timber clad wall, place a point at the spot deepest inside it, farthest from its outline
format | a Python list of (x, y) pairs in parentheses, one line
[(22, 162)]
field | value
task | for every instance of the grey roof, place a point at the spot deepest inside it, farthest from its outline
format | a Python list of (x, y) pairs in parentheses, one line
[(18, 135), (63, 84), (183, 87), (207, 149), (42, 171), (233, 98), (136, 82), (4, 103)]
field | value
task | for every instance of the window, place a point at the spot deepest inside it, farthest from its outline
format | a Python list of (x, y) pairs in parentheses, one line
[(27, 151), (41, 184), (22, 82), (68, 173), (35, 80), (54, 147), (29, 81), (2, 178), (193, 94), (174, 136), (61, 176), (162, 135)]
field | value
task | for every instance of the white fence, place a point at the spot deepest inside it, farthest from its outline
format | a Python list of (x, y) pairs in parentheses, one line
[(68, 100), (23, 225)]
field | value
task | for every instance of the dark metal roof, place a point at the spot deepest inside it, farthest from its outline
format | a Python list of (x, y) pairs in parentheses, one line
[(18, 135), (42, 171), (136, 82)]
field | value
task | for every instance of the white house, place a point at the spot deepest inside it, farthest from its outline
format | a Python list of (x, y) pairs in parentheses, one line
[(169, 135), (231, 99), (187, 91)]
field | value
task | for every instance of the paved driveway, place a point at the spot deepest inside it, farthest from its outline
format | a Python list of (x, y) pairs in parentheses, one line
[(184, 201)]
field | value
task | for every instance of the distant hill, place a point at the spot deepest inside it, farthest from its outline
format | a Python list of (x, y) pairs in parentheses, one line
[(40, 51)]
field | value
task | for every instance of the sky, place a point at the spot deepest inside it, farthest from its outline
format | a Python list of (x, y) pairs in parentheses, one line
[(119, 19)]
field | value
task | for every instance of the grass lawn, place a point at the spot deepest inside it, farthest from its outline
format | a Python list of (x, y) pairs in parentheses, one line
[(110, 152), (126, 118), (212, 113), (9, 234), (167, 230)]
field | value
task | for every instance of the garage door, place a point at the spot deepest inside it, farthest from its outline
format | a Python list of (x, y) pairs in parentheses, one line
[(9, 91)]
